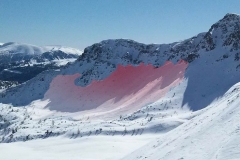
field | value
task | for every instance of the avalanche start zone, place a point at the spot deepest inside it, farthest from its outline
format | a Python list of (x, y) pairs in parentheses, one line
[(127, 89)]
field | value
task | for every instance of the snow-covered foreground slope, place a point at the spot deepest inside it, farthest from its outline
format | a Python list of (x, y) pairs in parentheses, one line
[(210, 133), (213, 134)]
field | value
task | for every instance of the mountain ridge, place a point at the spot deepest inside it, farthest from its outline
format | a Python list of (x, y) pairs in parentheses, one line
[(109, 53)]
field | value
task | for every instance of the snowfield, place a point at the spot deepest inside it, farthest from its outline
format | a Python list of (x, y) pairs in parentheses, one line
[(88, 148)]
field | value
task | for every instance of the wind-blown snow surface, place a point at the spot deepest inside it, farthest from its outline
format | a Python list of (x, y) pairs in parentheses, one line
[(126, 90)]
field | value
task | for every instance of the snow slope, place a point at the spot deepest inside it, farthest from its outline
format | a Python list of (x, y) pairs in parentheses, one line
[(124, 91), (213, 134)]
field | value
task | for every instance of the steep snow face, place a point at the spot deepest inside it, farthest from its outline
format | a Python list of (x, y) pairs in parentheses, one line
[(126, 90), (213, 134), (210, 76)]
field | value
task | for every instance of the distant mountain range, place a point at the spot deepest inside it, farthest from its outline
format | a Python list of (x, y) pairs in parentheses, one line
[(20, 62)]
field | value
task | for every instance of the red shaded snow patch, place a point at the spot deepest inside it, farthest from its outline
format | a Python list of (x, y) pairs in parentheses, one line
[(125, 90)]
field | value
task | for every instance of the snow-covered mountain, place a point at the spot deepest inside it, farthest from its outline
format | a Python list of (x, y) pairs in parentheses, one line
[(28, 49), (183, 92), (25, 49), (20, 62)]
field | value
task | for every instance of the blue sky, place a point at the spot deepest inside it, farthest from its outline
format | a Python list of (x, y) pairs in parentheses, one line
[(80, 23)]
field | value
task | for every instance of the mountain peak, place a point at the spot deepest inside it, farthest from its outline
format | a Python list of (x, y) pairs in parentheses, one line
[(230, 19), (231, 15), (225, 32)]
